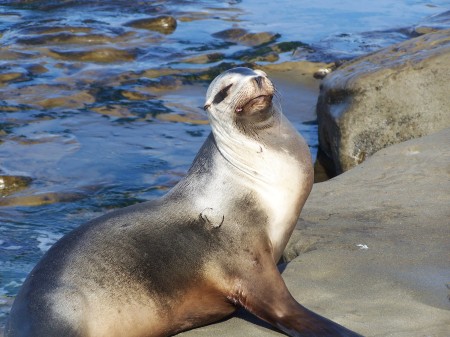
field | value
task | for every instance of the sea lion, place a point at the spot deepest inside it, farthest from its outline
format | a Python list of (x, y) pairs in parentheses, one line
[(209, 245)]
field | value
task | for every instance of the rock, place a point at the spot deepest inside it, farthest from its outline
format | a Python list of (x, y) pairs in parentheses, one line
[(182, 118), (269, 57), (195, 16), (65, 38), (40, 199), (283, 47), (433, 23), (164, 24), (164, 83), (46, 96), (398, 93), (204, 59), (232, 34), (12, 77), (114, 110), (259, 54), (75, 100), (53, 30), (256, 39), (135, 95), (372, 243), (37, 69), (7, 54), (102, 55), (30, 94), (12, 184), (241, 36), (300, 67), (159, 72)]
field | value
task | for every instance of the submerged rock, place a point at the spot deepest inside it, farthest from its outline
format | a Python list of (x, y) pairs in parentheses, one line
[(398, 93), (7, 54), (75, 100), (65, 38), (41, 199), (183, 118), (53, 30), (114, 110), (37, 69), (260, 54), (204, 59), (266, 53), (12, 77), (164, 83), (232, 34), (103, 55), (241, 36), (135, 95), (12, 184), (164, 24)]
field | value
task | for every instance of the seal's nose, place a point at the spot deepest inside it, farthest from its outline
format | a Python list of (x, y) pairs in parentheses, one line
[(259, 81)]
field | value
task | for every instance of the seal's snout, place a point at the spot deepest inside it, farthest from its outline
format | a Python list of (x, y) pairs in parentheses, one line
[(260, 93), (259, 81), (257, 105), (262, 85)]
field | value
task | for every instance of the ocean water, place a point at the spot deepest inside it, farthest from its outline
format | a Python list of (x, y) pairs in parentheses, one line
[(97, 113)]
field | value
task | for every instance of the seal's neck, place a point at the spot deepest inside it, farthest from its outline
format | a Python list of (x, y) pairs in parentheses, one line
[(276, 165), (250, 153)]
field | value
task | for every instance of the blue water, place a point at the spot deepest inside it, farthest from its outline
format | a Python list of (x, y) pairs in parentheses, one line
[(113, 160)]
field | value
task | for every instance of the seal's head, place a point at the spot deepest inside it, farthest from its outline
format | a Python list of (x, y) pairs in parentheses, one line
[(241, 97)]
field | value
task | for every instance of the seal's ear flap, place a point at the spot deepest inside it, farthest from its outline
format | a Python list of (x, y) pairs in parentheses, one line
[(222, 94), (218, 97)]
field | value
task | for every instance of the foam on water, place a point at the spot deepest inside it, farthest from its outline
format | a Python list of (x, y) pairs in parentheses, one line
[(46, 239)]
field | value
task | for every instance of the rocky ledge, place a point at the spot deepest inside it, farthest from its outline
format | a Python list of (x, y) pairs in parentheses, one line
[(398, 93), (371, 249)]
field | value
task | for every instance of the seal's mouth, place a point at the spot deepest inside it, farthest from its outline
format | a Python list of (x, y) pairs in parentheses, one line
[(255, 104)]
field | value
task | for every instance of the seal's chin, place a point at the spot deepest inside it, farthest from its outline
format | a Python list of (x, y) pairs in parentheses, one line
[(258, 104)]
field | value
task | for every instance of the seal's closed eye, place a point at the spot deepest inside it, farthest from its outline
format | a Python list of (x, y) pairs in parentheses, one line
[(221, 95)]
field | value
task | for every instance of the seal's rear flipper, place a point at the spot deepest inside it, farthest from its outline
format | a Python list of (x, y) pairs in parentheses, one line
[(265, 295)]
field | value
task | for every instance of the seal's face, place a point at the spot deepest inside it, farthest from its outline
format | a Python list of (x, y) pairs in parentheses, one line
[(241, 96)]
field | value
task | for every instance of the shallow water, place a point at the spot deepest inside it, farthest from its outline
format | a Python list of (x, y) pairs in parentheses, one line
[(101, 114)]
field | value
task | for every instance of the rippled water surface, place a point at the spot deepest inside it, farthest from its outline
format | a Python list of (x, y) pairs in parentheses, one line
[(102, 111)]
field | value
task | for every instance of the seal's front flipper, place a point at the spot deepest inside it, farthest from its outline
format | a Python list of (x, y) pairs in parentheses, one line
[(265, 294)]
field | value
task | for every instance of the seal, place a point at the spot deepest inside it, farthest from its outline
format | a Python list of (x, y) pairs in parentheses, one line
[(193, 256)]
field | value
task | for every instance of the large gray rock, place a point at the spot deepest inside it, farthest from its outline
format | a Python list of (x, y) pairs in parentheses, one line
[(398, 93), (373, 247)]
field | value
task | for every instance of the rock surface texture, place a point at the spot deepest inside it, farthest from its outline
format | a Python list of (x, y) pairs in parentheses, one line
[(398, 93), (371, 249)]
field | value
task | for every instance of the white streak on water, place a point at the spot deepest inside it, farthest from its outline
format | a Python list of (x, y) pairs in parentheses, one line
[(46, 239)]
